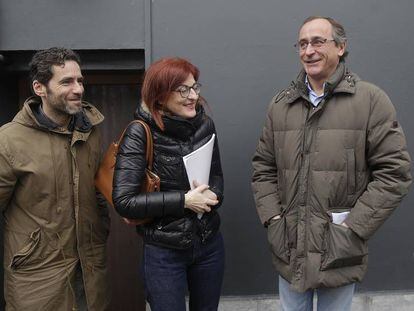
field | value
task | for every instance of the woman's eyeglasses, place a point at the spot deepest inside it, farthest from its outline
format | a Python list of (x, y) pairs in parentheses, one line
[(185, 90)]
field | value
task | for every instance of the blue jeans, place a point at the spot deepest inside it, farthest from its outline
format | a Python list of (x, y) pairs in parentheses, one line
[(168, 273), (338, 299)]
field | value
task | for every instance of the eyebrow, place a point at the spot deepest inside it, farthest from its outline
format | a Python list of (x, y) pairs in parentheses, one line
[(69, 79), (188, 85), (312, 38)]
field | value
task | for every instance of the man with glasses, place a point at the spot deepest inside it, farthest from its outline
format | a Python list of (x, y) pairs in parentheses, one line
[(329, 169)]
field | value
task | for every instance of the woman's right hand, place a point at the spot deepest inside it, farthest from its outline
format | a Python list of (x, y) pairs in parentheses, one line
[(198, 201)]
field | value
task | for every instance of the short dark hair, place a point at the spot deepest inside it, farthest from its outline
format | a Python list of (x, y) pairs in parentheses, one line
[(40, 67), (338, 31)]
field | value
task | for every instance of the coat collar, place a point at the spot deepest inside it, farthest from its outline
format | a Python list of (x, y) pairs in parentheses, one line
[(32, 115), (174, 126), (342, 81)]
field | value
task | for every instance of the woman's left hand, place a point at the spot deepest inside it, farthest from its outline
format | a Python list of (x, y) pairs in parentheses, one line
[(208, 193)]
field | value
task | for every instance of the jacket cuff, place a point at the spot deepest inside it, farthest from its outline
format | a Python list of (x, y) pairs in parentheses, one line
[(219, 195), (173, 203)]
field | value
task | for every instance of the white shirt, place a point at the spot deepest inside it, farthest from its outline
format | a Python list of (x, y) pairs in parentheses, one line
[(314, 98)]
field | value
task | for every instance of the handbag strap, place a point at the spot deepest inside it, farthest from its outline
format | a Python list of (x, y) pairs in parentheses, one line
[(149, 153)]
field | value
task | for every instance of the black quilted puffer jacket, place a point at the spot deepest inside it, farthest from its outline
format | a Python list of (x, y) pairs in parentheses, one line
[(173, 225)]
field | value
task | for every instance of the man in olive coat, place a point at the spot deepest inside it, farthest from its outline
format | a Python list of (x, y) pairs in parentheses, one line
[(55, 233), (329, 169)]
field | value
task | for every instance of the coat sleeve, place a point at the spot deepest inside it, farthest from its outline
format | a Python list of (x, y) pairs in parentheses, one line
[(128, 176), (264, 180), (389, 163), (8, 178), (216, 182)]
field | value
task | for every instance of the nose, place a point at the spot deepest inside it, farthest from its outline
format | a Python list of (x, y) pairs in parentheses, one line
[(309, 49), (192, 94), (78, 88)]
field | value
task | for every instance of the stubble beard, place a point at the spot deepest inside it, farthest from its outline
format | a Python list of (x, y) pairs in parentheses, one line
[(71, 110), (62, 107)]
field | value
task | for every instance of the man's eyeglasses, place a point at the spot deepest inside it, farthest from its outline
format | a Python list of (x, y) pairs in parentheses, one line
[(184, 90), (316, 43)]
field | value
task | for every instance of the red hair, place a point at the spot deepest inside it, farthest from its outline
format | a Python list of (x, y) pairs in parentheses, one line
[(161, 79)]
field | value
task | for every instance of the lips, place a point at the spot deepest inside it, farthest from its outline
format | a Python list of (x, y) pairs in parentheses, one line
[(77, 99), (191, 104), (312, 61)]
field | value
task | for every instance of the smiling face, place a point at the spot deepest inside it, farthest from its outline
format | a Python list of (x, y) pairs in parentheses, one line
[(62, 95), (319, 63), (64, 91), (183, 107)]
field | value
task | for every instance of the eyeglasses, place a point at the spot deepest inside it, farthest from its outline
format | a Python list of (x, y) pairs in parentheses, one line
[(316, 43), (184, 90)]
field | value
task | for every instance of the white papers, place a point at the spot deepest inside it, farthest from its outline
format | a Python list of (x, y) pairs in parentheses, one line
[(339, 218), (198, 163)]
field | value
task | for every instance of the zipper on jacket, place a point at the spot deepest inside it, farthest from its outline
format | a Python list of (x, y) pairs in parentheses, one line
[(304, 187), (55, 172), (302, 162), (310, 114)]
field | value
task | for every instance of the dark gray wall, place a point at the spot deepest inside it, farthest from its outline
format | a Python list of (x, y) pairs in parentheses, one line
[(78, 24), (245, 52)]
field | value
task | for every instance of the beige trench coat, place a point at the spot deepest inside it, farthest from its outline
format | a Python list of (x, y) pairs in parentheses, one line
[(52, 220)]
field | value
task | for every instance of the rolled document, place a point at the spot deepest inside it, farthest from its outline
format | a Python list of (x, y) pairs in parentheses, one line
[(197, 164)]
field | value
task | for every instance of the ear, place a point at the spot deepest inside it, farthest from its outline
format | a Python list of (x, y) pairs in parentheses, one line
[(39, 88), (342, 49)]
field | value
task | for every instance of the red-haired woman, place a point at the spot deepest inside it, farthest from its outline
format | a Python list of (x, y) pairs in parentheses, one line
[(181, 251)]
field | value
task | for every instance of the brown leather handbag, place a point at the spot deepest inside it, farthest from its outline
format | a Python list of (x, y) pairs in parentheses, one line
[(105, 174)]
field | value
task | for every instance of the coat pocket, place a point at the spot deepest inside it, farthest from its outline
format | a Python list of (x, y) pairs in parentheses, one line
[(277, 237), (169, 168), (24, 254), (342, 248)]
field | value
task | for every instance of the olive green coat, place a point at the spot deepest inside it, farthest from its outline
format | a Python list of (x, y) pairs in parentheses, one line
[(348, 154), (52, 220)]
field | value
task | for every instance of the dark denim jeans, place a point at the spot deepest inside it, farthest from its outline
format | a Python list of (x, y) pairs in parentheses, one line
[(169, 273)]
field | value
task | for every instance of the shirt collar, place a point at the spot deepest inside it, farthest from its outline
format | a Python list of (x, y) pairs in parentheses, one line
[(313, 97)]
